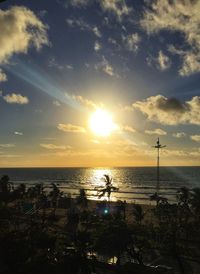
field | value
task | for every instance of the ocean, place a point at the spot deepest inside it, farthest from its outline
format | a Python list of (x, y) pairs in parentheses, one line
[(134, 183)]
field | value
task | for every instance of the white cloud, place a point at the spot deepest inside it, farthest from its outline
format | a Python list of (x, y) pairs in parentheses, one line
[(18, 133), (163, 61), (97, 46), (7, 145), (132, 41), (128, 129), (55, 147), (52, 63), (79, 3), (106, 67), (176, 153), (10, 155), (71, 128), (3, 76), (177, 16), (96, 31), (118, 7), (191, 63), (20, 28), (69, 67), (56, 103), (16, 99), (179, 134), (86, 102), (156, 131), (115, 43), (195, 138), (170, 110), (84, 26)]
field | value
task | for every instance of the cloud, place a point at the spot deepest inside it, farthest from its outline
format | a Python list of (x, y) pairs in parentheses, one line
[(105, 67), (69, 67), (16, 99), (7, 145), (118, 7), (195, 138), (79, 3), (85, 102), (56, 103), (97, 46), (195, 153), (10, 155), (71, 128), (18, 133), (156, 131), (3, 76), (163, 61), (191, 63), (170, 110), (20, 28), (179, 134), (128, 129), (54, 147), (84, 26), (96, 31), (176, 153), (52, 63), (131, 41), (177, 16)]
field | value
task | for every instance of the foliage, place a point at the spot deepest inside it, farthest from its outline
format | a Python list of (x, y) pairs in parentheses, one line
[(108, 187), (82, 198), (31, 244), (138, 213)]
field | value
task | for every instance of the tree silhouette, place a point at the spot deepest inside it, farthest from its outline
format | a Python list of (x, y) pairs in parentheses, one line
[(5, 188), (55, 194), (195, 201), (108, 187), (138, 213), (82, 199), (183, 196)]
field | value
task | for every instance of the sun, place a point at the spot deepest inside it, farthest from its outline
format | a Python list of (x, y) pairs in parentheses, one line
[(101, 123)]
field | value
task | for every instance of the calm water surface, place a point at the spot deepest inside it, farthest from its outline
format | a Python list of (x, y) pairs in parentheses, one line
[(139, 181)]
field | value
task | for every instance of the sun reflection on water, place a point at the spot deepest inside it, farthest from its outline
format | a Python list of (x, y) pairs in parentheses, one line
[(98, 181)]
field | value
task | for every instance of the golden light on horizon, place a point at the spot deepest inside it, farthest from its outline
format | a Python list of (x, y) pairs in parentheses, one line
[(101, 123)]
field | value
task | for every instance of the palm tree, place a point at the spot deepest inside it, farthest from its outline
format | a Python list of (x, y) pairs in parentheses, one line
[(184, 210), (121, 209), (5, 188), (195, 201), (138, 213), (55, 194), (82, 199), (158, 199), (183, 196), (108, 187), (21, 190)]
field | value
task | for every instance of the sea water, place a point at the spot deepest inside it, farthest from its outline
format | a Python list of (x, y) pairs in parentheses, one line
[(134, 183)]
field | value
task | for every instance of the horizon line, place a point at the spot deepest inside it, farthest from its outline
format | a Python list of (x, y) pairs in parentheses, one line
[(99, 166)]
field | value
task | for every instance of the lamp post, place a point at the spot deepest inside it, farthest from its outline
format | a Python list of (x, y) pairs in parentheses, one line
[(158, 146)]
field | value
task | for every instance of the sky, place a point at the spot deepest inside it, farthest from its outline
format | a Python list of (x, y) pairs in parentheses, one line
[(62, 60)]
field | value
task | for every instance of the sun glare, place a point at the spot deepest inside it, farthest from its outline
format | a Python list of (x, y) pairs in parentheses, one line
[(101, 123)]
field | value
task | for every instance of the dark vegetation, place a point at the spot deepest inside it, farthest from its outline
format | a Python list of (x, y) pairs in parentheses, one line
[(36, 238)]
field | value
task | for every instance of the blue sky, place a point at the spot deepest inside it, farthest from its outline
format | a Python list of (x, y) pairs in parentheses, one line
[(59, 62)]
